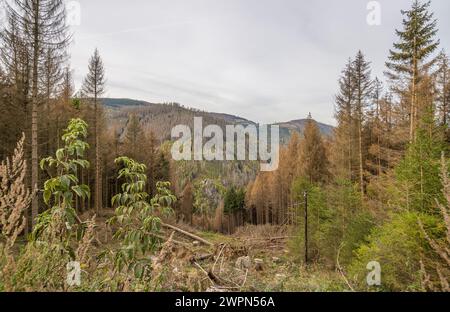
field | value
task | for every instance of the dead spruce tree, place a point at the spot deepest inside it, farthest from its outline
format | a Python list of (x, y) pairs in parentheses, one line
[(363, 91), (41, 25), (93, 88)]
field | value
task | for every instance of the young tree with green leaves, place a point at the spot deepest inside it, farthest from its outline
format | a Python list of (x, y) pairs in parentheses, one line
[(418, 174), (60, 191), (436, 269), (234, 200), (58, 236), (138, 218)]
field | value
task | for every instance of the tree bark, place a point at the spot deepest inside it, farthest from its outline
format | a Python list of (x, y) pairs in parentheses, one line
[(34, 118), (98, 180), (361, 166)]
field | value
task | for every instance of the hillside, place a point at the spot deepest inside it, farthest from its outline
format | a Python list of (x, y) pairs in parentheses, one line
[(161, 118), (299, 125)]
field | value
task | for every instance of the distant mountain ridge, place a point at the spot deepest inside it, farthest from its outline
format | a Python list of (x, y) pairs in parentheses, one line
[(162, 117), (122, 102), (300, 124)]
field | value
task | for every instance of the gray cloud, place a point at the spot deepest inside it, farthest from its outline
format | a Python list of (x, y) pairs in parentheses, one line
[(265, 60)]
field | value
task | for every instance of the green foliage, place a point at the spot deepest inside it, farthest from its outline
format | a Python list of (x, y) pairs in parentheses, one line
[(207, 194), (162, 167), (351, 221), (318, 216), (398, 246), (416, 41), (60, 190), (234, 200), (419, 184), (137, 217), (76, 103), (41, 264), (337, 221)]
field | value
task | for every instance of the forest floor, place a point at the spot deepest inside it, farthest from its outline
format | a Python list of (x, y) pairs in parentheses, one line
[(255, 258)]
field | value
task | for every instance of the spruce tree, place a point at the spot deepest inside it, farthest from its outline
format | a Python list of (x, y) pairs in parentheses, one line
[(134, 137), (344, 151), (375, 127), (35, 26), (363, 90), (94, 87), (418, 173), (443, 88), (313, 156), (411, 58)]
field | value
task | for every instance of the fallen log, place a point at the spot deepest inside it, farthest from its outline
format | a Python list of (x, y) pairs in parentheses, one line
[(269, 238), (201, 257), (161, 237), (197, 238), (216, 279)]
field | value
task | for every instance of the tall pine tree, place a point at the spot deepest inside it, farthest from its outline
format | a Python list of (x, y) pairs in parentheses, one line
[(35, 27), (313, 160), (344, 147), (94, 87), (363, 91), (410, 59), (443, 88)]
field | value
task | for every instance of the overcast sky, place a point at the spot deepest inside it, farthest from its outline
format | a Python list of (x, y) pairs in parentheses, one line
[(265, 60)]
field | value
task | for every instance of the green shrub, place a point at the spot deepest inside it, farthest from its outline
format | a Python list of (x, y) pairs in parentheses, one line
[(138, 218), (398, 246)]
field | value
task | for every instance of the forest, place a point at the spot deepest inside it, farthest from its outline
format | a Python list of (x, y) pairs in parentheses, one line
[(88, 184)]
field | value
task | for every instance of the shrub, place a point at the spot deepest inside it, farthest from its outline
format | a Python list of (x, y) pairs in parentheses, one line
[(15, 198), (41, 265), (138, 219), (398, 246), (56, 223)]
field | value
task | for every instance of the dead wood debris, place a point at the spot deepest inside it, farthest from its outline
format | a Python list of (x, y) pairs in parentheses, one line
[(195, 237)]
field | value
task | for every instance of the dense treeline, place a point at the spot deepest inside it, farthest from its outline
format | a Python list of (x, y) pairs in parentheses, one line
[(380, 173), (377, 190), (37, 97)]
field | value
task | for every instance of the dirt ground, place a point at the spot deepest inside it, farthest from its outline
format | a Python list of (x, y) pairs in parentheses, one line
[(255, 258)]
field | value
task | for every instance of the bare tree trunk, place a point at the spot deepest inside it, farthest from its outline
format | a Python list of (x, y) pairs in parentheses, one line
[(444, 100), (361, 167), (34, 118), (98, 179), (350, 151), (413, 109), (34, 163)]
